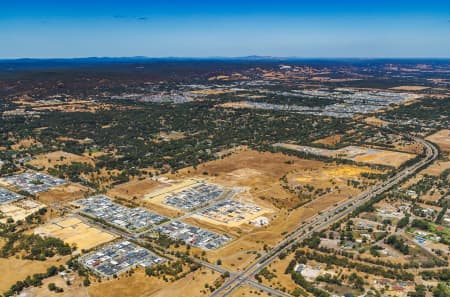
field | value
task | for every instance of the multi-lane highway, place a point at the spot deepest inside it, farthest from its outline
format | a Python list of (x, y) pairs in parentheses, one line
[(316, 223), (321, 221)]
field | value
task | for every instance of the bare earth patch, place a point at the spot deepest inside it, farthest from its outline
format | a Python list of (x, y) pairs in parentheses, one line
[(75, 232), (63, 193)]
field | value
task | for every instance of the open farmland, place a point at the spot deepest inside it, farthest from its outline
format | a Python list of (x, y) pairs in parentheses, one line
[(75, 232)]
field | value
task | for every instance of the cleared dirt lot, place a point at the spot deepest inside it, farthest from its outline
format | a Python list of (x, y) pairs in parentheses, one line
[(75, 232), (63, 193), (19, 210), (355, 153), (442, 139)]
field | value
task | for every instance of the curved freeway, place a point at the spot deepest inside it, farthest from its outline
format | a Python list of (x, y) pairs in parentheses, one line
[(321, 221)]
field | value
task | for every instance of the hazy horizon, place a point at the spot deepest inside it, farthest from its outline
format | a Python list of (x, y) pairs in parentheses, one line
[(158, 29)]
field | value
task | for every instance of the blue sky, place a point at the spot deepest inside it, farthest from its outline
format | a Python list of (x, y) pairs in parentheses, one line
[(344, 28)]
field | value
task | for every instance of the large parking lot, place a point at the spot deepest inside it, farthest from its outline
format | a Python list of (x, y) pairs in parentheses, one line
[(194, 197), (7, 196), (131, 219), (33, 182), (193, 235), (116, 258)]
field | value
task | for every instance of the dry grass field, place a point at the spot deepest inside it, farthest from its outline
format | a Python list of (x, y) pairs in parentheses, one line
[(442, 139), (240, 104), (140, 285), (75, 289), (437, 168), (23, 268), (25, 143), (50, 160), (211, 92), (257, 172), (72, 105), (75, 232), (172, 135), (375, 121), (330, 140), (409, 88), (67, 192), (247, 291), (135, 190)]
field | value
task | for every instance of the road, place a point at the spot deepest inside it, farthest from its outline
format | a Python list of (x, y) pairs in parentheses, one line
[(316, 223), (322, 221)]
